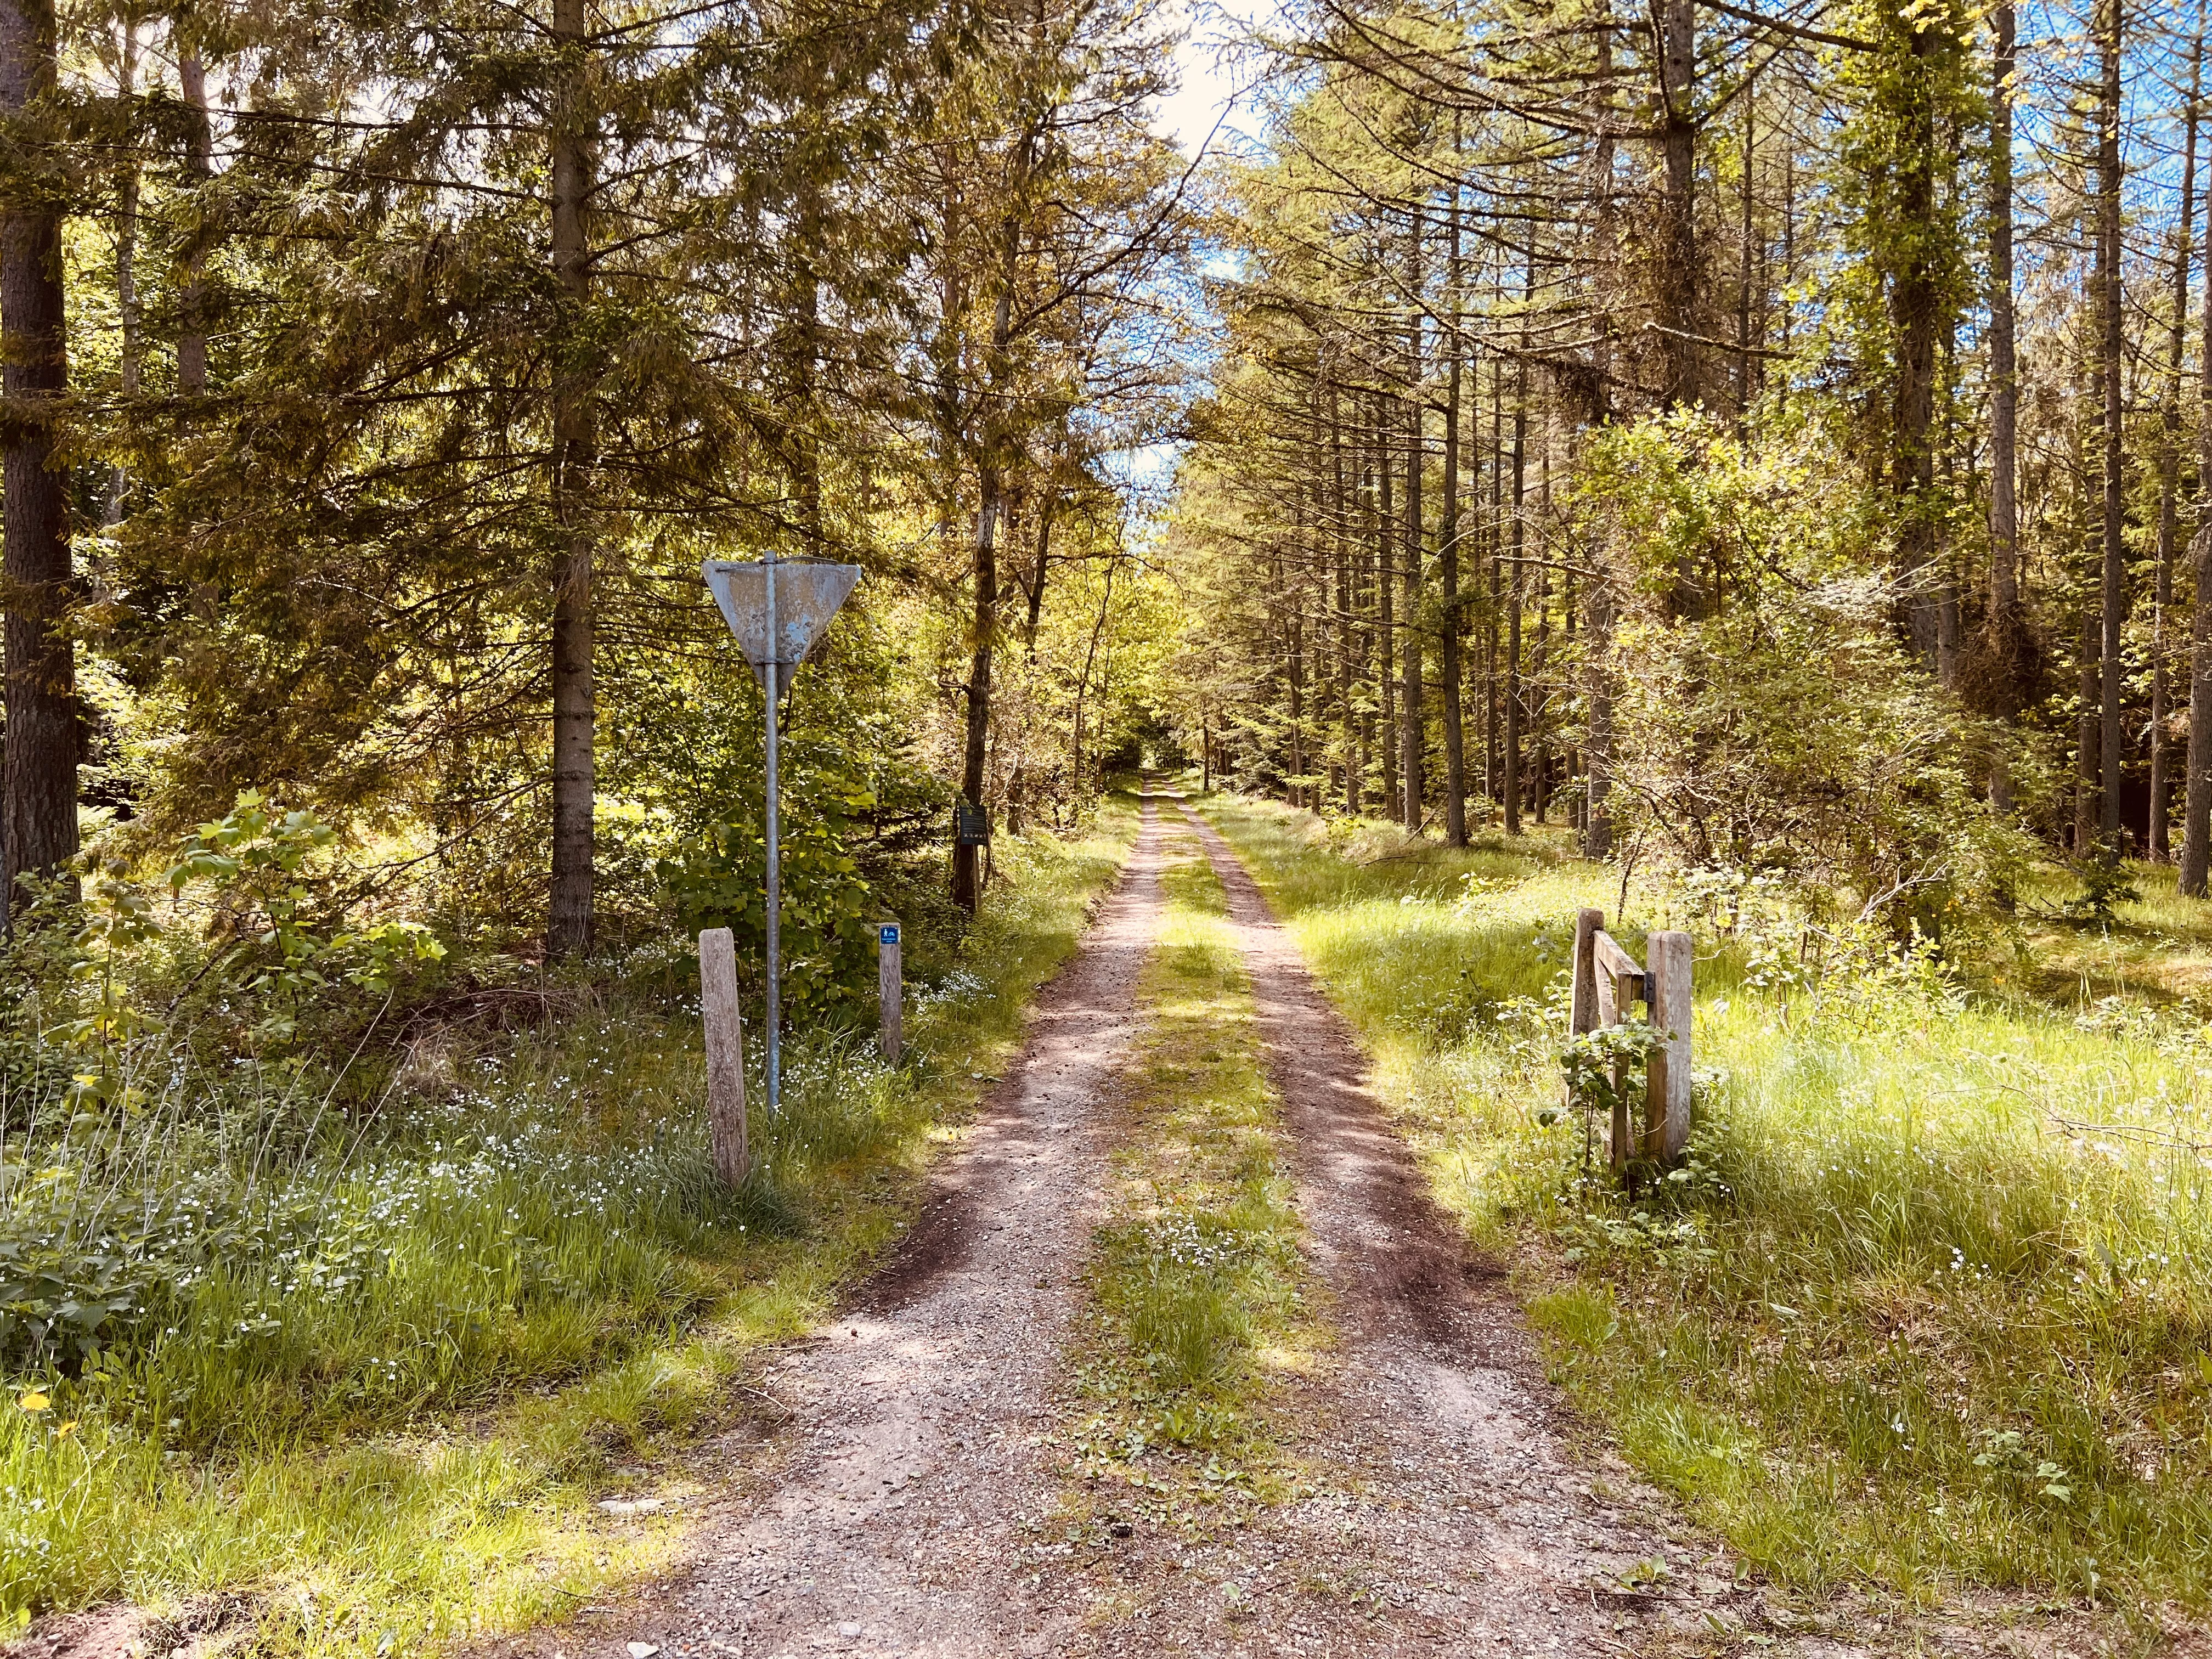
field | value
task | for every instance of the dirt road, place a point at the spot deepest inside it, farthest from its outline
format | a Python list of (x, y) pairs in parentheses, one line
[(909, 1505)]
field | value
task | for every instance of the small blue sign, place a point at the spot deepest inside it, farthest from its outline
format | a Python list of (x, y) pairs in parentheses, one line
[(888, 933)]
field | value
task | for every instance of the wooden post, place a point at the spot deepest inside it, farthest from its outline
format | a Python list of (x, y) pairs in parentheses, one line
[(1605, 994), (1582, 1012), (890, 989), (1613, 964), (1619, 984), (1667, 1121), (725, 1053), (1588, 923)]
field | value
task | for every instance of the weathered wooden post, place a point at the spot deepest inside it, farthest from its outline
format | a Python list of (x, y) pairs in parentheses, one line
[(1608, 982), (890, 991), (1667, 1110), (1584, 1015), (725, 1053), (1619, 984)]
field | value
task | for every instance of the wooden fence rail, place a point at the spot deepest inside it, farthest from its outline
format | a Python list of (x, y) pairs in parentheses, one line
[(1608, 982)]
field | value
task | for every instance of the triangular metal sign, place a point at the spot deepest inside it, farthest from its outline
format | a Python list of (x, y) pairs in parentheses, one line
[(807, 594)]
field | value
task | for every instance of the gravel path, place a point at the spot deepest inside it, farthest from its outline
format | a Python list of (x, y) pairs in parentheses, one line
[(918, 1500)]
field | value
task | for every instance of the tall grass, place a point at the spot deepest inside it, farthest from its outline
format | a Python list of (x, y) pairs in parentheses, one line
[(369, 1368), (1930, 1304)]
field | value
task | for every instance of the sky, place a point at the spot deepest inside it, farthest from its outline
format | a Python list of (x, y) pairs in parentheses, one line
[(1208, 86), (1206, 103)]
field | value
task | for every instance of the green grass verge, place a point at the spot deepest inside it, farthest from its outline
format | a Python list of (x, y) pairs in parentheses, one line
[(385, 1429), (1196, 1307), (1930, 1305)]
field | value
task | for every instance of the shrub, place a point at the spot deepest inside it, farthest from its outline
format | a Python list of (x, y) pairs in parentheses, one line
[(1766, 718)]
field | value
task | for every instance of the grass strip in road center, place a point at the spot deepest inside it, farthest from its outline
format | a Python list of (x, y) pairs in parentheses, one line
[(1196, 1304)]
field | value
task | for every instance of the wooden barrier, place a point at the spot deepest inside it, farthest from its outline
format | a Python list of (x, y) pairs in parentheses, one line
[(1608, 982)]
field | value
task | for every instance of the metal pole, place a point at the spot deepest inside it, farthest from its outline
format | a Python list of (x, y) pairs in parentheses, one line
[(775, 892)]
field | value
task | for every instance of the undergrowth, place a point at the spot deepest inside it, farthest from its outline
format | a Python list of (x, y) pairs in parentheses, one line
[(1930, 1304), (1196, 1306), (366, 1368)]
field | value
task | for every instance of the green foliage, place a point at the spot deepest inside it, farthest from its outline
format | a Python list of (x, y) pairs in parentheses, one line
[(260, 963), (2106, 882), (334, 581), (719, 879), (1780, 729), (1914, 104), (262, 907), (1605, 1069), (116, 921), (179, 1039)]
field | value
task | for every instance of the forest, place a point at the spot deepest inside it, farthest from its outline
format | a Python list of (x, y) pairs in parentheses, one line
[(1746, 468), (1756, 442)]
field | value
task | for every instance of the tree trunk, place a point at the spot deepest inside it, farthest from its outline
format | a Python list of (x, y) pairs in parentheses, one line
[(1493, 782), (1348, 633), (1915, 304), (1597, 781), (569, 921), (1677, 286), (2196, 798), (191, 304), (2003, 630), (38, 790), (1597, 818), (1746, 245), (2085, 736), (1083, 691), (1413, 786), (1295, 663), (802, 435), (967, 861), (1448, 654), (993, 454), (2111, 342), (1385, 637), (1513, 607), (1033, 590), (1540, 663), (131, 355), (2156, 844), (1371, 632)]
